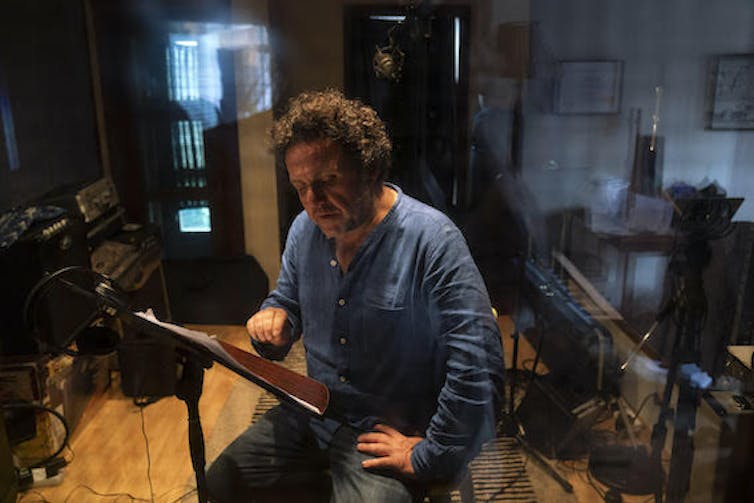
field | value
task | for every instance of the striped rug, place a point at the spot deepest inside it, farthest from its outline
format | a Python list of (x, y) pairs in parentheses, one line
[(499, 471)]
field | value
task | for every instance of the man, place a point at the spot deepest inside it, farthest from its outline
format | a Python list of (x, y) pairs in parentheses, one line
[(395, 318)]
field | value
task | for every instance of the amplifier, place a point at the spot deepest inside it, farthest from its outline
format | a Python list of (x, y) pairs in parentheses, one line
[(147, 366), (61, 383), (723, 449), (96, 204), (44, 248), (130, 256), (564, 327), (738, 365), (557, 421), (90, 202), (96, 199)]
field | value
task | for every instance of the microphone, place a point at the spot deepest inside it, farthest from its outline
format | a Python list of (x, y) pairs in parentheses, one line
[(387, 61), (91, 337)]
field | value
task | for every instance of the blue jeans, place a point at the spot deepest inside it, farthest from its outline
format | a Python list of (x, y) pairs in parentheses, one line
[(279, 454)]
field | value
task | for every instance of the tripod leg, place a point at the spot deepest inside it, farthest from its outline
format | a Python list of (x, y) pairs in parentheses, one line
[(514, 369), (541, 461), (683, 444), (626, 422)]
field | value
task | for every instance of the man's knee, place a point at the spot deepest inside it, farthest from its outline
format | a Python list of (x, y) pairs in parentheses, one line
[(221, 484), (224, 485)]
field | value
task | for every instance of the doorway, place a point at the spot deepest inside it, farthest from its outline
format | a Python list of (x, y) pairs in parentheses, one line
[(177, 78), (425, 105)]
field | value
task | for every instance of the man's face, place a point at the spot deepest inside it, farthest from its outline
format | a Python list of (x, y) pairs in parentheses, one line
[(335, 196)]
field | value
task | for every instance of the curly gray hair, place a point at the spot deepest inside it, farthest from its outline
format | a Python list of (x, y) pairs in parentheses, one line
[(330, 115)]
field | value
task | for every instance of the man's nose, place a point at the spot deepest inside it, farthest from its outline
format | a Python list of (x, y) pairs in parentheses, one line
[(318, 192), (313, 194)]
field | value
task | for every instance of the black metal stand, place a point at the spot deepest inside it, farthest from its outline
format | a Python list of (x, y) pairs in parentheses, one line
[(642, 473), (689, 310), (630, 469), (189, 389), (511, 426)]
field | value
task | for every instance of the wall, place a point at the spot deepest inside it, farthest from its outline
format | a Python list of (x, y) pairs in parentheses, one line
[(668, 43), (308, 38), (258, 183)]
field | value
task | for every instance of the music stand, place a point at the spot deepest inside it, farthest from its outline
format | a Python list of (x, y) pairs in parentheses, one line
[(196, 352)]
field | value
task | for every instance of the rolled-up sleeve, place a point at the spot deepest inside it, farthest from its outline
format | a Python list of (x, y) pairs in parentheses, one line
[(471, 398)]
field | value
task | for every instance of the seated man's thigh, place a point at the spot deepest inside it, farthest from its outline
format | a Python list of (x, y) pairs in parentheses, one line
[(351, 483), (279, 450)]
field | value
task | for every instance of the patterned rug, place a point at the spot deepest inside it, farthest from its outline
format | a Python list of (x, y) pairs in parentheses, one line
[(499, 472)]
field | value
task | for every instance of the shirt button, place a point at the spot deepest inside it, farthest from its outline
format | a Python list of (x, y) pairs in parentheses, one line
[(333, 262), (342, 340), (341, 302), (343, 379)]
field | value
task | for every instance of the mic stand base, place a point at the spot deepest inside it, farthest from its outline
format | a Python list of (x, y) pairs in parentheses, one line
[(625, 469)]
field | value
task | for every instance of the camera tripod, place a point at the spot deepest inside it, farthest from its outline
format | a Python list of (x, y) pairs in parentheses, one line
[(699, 220)]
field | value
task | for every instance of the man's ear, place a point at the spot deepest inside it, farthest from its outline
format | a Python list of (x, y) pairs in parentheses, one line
[(373, 182), (372, 177)]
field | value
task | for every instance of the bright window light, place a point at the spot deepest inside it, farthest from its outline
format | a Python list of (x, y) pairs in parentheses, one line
[(392, 19), (457, 47), (187, 43), (194, 219), (8, 130)]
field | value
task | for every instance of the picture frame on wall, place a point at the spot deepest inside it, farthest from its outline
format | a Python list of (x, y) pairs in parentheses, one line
[(588, 87), (733, 98)]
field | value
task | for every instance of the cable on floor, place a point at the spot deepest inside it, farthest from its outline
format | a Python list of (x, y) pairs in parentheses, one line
[(149, 459)]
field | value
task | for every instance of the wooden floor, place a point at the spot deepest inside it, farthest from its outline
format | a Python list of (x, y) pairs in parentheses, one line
[(110, 455), (109, 448)]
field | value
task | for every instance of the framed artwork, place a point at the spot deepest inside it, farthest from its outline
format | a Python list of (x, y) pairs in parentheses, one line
[(588, 87), (733, 99)]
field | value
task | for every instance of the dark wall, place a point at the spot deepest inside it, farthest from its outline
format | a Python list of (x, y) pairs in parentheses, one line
[(48, 134)]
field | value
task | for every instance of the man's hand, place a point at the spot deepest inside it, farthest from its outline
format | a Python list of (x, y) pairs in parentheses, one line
[(391, 448), (270, 326)]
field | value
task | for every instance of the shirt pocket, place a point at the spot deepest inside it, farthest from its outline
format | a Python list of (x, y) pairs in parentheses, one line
[(379, 333), (379, 323)]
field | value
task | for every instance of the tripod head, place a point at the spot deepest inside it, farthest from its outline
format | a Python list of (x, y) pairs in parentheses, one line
[(705, 217)]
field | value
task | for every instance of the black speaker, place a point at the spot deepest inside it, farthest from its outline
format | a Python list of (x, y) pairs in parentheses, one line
[(147, 366), (730, 288), (43, 248), (723, 448), (557, 421), (215, 291)]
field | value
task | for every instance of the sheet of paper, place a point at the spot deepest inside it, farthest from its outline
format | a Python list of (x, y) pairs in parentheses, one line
[(205, 341)]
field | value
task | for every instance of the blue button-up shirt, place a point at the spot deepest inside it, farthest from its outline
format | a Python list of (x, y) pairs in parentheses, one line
[(406, 336)]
